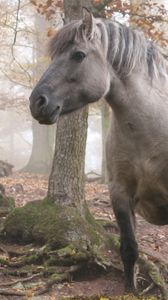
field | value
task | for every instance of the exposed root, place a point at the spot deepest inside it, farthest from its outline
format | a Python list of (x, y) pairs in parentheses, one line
[(151, 269), (53, 266), (21, 280), (58, 266), (154, 273), (148, 289), (4, 250), (12, 292), (55, 278), (48, 272), (38, 290)]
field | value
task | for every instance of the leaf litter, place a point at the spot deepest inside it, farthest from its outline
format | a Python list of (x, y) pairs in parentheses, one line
[(26, 187)]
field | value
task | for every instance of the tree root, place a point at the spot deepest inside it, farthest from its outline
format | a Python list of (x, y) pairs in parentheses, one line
[(145, 261), (53, 266), (58, 266), (11, 292), (155, 274), (49, 272), (148, 289), (21, 280), (37, 290), (55, 278)]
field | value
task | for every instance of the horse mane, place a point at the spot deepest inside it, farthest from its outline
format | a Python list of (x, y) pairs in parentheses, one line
[(128, 48), (63, 39)]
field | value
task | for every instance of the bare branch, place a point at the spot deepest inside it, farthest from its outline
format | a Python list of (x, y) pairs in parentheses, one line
[(16, 23), (15, 82), (14, 42)]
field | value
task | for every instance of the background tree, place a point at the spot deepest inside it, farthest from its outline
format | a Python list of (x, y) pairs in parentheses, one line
[(66, 183), (105, 118), (22, 62), (62, 222), (20, 28), (41, 157)]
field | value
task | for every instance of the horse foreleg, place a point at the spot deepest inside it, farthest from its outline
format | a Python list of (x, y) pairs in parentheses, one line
[(128, 245)]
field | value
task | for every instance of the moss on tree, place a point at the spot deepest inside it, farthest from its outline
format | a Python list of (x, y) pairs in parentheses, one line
[(7, 201), (66, 243), (57, 226)]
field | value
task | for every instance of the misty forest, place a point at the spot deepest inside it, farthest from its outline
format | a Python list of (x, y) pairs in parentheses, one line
[(60, 237)]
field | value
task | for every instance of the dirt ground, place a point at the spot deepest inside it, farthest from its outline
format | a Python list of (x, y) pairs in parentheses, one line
[(153, 239)]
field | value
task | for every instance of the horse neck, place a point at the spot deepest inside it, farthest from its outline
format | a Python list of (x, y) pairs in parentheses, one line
[(136, 64), (129, 51), (127, 48)]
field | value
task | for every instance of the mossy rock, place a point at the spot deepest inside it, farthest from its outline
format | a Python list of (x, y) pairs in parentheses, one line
[(44, 223), (7, 201)]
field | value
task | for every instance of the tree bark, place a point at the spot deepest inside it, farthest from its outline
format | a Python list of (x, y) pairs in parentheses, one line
[(73, 9), (66, 183), (68, 240), (105, 117)]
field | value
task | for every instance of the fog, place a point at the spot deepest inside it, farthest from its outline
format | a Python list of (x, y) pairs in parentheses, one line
[(16, 141), (23, 58)]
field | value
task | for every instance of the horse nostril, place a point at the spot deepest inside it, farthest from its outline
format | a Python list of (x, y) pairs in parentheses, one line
[(42, 101)]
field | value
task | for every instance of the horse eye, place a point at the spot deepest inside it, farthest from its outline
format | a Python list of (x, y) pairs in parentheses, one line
[(78, 56)]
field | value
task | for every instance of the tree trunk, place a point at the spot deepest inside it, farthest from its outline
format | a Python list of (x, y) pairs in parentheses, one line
[(66, 183), (73, 9), (70, 237), (105, 117)]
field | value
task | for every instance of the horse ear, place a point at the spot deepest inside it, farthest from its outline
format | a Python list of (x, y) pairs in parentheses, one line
[(87, 23)]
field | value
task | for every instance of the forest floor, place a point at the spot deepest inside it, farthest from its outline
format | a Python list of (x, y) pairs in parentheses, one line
[(152, 239)]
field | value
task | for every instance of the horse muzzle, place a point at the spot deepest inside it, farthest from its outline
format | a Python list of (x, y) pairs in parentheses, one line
[(42, 110)]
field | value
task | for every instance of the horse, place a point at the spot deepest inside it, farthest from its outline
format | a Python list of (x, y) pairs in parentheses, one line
[(96, 58)]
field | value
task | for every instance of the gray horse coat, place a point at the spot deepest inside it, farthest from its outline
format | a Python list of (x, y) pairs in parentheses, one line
[(96, 58)]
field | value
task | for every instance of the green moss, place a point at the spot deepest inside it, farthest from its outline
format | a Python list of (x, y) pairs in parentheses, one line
[(46, 223), (114, 240), (3, 261), (56, 278), (7, 201), (99, 234)]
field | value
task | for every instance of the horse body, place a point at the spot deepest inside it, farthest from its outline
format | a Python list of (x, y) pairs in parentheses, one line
[(137, 146), (137, 151), (137, 159), (93, 58)]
